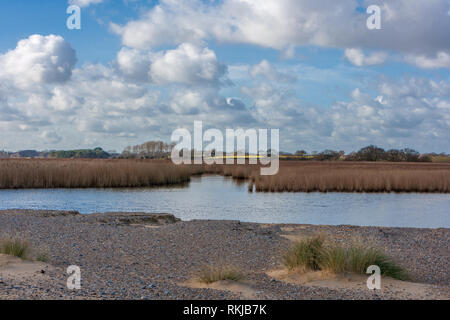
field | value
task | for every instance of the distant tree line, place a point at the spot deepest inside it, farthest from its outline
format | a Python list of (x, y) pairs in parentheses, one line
[(369, 153), (149, 150), (97, 153), (59, 154), (162, 150)]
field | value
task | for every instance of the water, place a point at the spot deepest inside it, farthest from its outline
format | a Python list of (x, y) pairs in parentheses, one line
[(218, 198)]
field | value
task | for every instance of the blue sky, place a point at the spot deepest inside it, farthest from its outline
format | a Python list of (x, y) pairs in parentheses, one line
[(137, 70)]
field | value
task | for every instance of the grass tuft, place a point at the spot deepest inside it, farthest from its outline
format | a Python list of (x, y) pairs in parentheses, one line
[(312, 255), (15, 247), (305, 254), (210, 274), (334, 259)]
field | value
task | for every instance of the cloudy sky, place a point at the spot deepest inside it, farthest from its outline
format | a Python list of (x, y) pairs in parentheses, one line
[(137, 70)]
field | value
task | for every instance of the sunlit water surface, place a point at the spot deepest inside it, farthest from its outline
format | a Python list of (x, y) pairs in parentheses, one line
[(218, 198)]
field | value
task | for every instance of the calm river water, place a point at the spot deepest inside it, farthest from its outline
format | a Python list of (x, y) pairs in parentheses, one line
[(215, 197)]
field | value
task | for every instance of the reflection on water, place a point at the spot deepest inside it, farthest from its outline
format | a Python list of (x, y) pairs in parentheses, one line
[(215, 197)]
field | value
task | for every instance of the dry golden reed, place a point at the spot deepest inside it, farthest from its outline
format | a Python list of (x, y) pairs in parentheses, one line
[(44, 173), (293, 176), (354, 177)]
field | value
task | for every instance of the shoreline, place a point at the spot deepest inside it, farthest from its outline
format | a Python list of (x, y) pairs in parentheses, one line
[(156, 256)]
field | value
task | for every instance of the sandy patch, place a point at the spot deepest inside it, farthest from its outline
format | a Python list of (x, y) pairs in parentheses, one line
[(400, 289), (13, 267), (243, 288)]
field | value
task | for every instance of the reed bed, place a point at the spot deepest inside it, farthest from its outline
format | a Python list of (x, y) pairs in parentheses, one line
[(293, 176), (351, 177), (43, 173)]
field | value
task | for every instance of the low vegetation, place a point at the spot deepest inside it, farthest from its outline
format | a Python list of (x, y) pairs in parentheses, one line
[(18, 247), (210, 274), (306, 255), (15, 247), (315, 254), (96, 153)]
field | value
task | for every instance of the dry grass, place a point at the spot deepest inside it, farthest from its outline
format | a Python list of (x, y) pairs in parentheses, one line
[(15, 247), (354, 177), (306, 255), (314, 254), (211, 274), (20, 247), (43, 173)]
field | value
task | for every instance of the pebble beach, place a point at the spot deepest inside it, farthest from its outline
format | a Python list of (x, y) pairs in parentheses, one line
[(152, 256)]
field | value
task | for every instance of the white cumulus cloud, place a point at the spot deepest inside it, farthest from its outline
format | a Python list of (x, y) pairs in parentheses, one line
[(134, 64), (267, 71), (282, 24), (357, 57), (441, 60), (188, 64), (38, 60), (84, 3)]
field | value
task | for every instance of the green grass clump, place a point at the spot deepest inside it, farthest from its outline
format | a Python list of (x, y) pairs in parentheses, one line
[(312, 255), (334, 259), (15, 247), (306, 254), (212, 274), (361, 258)]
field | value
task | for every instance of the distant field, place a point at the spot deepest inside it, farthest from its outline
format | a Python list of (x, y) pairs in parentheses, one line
[(441, 159), (293, 176)]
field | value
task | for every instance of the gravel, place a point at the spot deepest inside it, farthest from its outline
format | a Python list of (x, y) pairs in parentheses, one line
[(148, 256)]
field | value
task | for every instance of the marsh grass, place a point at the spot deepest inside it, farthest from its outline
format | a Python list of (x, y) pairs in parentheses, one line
[(15, 247), (354, 177), (82, 173), (293, 176), (314, 254), (210, 274)]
